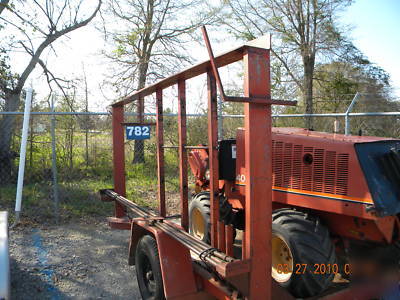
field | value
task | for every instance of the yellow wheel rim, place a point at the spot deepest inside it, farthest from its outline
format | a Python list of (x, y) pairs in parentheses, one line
[(282, 259), (198, 224)]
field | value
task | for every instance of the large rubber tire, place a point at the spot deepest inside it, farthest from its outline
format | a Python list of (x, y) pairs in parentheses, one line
[(309, 243), (199, 217), (148, 269)]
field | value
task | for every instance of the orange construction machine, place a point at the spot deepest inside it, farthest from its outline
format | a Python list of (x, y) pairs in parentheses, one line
[(335, 201)]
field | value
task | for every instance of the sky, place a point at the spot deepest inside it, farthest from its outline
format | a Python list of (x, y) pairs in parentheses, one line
[(376, 33), (375, 25)]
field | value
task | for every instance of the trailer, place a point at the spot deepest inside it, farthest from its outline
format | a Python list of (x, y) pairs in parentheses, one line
[(170, 262)]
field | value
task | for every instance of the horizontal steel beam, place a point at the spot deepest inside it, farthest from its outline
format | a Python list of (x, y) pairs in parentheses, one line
[(196, 70)]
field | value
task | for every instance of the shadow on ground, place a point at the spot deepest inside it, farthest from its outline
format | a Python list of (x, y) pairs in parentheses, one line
[(73, 261)]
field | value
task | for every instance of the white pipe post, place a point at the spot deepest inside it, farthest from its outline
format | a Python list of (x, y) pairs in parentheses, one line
[(22, 155), (4, 258)]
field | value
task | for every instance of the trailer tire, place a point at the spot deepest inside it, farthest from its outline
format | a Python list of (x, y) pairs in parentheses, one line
[(148, 269), (199, 217), (308, 249)]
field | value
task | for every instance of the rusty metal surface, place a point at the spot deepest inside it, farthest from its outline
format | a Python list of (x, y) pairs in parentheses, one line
[(118, 156), (201, 68), (213, 156), (257, 247), (331, 136), (256, 98), (138, 123), (160, 153), (175, 260), (183, 159), (211, 256)]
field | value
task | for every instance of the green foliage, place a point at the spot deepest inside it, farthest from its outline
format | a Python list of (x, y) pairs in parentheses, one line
[(7, 78)]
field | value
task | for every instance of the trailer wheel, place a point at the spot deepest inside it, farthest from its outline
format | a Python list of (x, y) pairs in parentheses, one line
[(148, 270), (301, 247), (199, 217)]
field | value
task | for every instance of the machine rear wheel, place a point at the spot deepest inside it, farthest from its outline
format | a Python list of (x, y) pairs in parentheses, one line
[(199, 217), (301, 248), (148, 269)]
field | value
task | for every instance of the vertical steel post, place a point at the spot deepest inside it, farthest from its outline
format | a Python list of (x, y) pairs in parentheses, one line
[(183, 177), (258, 205), (213, 156), (160, 152), (118, 156), (54, 161)]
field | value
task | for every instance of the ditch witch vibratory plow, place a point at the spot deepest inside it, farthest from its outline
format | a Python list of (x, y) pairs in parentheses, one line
[(170, 262)]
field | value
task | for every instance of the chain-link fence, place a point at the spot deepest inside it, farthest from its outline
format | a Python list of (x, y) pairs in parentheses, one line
[(83, 156)]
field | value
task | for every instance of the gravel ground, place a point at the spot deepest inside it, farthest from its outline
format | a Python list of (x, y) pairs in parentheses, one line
[(74, 261)]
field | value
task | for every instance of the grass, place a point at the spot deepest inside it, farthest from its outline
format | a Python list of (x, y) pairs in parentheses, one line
[(78, 190), (79, 178)]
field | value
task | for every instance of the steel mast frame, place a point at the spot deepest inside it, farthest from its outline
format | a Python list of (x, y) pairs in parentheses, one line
[(256, 260)]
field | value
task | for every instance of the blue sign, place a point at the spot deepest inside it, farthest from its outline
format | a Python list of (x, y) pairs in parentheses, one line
[(137, 132)]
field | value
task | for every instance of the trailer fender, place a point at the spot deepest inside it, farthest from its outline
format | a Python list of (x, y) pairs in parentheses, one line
[(175, 260)]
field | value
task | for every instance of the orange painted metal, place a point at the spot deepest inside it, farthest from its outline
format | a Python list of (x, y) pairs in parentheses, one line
[(336, 209), (175, 261), (118, 157), (213, 157), (198, 162), (160, 152), (221, 237), (229, 240), (258, 202), (193, 71), (183, 160), (119, 223)]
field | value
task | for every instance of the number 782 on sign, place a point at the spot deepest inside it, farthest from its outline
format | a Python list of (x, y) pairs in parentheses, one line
[(137, 132)]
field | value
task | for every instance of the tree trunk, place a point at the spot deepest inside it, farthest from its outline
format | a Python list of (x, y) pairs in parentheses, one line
[(139, 144), (308, 91), (7, 125)]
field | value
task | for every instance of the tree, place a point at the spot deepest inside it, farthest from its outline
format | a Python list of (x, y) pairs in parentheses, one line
[(152, 46), (306, 30), (36, 26)]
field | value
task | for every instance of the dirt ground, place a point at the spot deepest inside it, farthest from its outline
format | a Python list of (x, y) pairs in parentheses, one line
[(73, 261)]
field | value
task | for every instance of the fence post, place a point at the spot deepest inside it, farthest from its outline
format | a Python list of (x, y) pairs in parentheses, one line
[(348, 111), (54, 161), (21, 167)]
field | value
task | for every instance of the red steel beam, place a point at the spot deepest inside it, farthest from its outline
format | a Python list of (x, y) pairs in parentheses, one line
[(183, 164), (196, 70), (258, 203), (221, 237), (160, 152), (119, 157), (229, 240), (141, 109), (213, 156)]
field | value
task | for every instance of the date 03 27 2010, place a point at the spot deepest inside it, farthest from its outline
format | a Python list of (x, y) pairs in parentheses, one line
[(315, 269)]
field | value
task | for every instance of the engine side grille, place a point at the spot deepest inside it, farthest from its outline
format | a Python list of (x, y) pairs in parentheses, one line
[(327, 172), (342, 174)]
